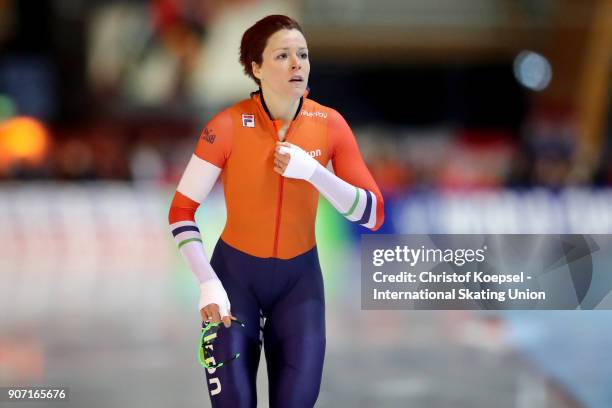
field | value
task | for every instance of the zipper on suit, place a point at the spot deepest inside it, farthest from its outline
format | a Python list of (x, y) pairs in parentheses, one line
[(281, 185), (281, 182)]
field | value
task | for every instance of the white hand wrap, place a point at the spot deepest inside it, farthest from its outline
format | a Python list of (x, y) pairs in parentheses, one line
[(301, 165), (212, 291)]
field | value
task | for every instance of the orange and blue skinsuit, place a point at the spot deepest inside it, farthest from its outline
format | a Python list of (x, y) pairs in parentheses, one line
[(266, 257)]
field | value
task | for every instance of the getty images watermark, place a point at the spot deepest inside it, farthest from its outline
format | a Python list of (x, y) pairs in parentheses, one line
[(563, 272)]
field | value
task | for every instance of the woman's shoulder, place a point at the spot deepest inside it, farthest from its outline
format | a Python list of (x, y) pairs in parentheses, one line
[(313, 108), (238, 108)]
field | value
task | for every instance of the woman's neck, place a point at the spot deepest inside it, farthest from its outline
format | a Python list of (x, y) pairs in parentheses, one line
[(280, 108)]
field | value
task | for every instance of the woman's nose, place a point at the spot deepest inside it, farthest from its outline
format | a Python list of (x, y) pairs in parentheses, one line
[(295, 63)]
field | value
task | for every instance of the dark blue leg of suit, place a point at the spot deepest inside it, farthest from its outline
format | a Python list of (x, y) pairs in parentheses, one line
[(289, 294)]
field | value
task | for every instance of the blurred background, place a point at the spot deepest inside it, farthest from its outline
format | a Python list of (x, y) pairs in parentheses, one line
[(474, 116)]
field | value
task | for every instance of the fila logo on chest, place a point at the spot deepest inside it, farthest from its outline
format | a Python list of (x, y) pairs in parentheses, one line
[(248, 120)]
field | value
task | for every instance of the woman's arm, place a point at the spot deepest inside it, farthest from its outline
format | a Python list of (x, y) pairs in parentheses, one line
[(196, 183), (351, 190)]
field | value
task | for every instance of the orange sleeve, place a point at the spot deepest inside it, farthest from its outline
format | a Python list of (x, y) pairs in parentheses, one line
[(348, 163), (214, 146), (182, 208), (215, 142)]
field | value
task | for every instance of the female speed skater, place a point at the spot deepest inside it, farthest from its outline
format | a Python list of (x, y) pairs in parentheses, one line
[(271, 151)]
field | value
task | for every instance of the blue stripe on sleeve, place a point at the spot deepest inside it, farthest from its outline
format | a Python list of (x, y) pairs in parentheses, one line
[(368, 208), (178, 230)]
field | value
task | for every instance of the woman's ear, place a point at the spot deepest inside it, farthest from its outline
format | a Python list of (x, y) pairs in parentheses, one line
[(256, 70)]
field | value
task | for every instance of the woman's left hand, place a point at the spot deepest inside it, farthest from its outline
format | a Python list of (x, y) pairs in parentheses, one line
[(281, 160), (293, 162)]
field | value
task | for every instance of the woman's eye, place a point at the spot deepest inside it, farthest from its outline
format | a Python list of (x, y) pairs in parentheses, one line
[(281, 56), (304, 55)]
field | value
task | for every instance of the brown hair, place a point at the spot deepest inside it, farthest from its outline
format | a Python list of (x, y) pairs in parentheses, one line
[(254, 39)]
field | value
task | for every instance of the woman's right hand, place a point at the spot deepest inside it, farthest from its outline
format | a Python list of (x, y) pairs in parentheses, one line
[(214, 303), (210, 313)]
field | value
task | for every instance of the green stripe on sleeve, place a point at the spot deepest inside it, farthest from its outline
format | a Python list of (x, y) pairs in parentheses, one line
[(188, 241), (350, 211)]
